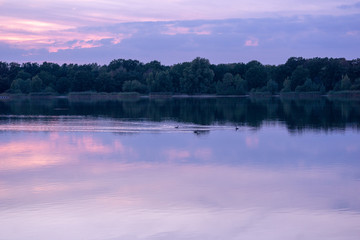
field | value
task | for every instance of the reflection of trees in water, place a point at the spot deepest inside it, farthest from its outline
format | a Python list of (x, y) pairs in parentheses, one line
[(296, 114)]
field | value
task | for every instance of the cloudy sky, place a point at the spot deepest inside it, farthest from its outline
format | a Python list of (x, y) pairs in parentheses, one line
[(173, 31)]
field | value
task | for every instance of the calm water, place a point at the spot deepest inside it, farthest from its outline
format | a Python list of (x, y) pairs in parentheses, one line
[(179, 169)]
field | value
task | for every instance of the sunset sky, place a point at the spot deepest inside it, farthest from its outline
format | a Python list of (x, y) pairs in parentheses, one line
[(173, 31)]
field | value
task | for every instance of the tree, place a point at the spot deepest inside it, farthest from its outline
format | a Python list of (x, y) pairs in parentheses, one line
[(63, 85), (15, 86), (83, 81), (161, 82), (20, 86), (272, 86), (4, 83), (134, 86), (47, 78), (23, 75), (240, 85), (31, 68), (176, 75), (36, 84), (294, 62), (308, 86), (345, 82), (252, 64), (104, 83), (286, 85), (332, 73), (198, 77), (256, 76), (231, 85), (154, 66), (356, 85), (227, 85), (195, 77), (298, 77), (14, 68)]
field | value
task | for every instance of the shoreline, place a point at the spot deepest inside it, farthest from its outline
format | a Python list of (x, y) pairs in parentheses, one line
[(345, 95)]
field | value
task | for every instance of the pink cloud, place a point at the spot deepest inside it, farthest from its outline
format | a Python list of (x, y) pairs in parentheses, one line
[(76, 45), (176, 30), (352, 33), (251, 43), (33, 34), (31, 25), (172, 30), (60, 41)]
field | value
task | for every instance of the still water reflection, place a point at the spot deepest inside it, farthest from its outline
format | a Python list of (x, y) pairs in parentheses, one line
[(72, 176)]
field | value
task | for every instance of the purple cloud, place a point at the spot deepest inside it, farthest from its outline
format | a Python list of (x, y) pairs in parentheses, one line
[(349, 6), (98, 32)]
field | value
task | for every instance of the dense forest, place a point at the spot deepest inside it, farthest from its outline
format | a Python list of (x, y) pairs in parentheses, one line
[(195, 77)]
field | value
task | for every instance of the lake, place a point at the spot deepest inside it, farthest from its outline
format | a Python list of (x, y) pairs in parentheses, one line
[(180, 168)]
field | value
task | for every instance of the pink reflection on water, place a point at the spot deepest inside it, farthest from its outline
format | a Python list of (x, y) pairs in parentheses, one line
[(56, 149), (106, 185), (252, 141), (173, 154), (176, 154)]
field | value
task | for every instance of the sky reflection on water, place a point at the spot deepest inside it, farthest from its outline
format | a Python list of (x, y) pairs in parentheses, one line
[(226, 184)]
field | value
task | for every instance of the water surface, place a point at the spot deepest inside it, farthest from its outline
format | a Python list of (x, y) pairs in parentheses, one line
[(179, 169)]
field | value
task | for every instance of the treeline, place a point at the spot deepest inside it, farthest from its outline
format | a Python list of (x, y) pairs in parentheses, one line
[(195, 77)]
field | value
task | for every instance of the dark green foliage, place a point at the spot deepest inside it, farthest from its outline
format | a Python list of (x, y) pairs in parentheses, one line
[(104, 83), (47, 78), (134, 86), (293, 62), (308, 86), (4, 83), (356, 85), (36, 84), (231, 85), (20, 86), (240, 85), (83, 81), (195, 77), (31, 68), (15, 86), (63, 85), (198, 77), (256, 76), (176, 74), (298, 77), (14, 68), (23, 75), (272, 86), (345, 83), (160, 82), (286, 85)]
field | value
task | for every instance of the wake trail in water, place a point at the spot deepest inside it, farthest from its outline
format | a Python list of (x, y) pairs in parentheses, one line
[(98, 124)]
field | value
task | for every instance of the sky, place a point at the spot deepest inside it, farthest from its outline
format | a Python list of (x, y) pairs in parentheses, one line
[(174, 31)]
